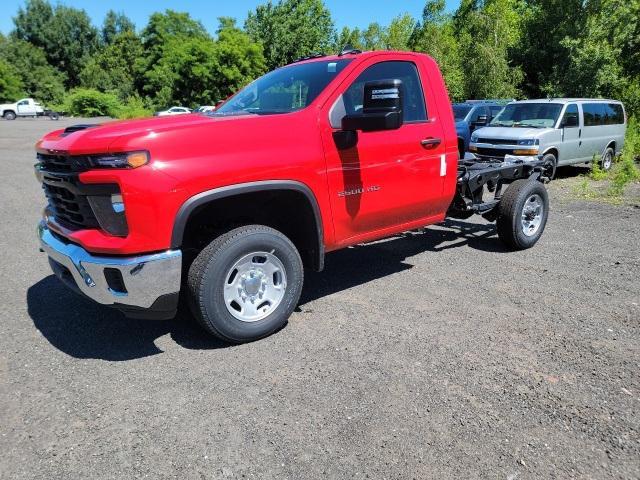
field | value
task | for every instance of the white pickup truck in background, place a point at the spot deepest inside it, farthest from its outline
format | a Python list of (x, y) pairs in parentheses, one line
[(26, 107)]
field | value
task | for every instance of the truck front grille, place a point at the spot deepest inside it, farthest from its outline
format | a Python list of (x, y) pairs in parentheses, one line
[(70, 209), (493, 152), (62, 163), (497, 141)]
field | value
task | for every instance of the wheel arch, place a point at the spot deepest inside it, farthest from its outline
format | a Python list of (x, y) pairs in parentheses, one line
[(313, 236), (612, 144), (554, 150)]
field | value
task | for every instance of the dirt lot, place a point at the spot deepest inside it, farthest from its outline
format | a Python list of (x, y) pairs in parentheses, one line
[(435, 354)]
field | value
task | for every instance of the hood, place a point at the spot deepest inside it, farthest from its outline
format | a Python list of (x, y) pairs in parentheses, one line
[(105, 137), (97, 137), (507, 133)]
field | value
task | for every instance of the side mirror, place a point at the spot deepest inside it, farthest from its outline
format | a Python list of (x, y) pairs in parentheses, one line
[(569, 122), (381, 107)]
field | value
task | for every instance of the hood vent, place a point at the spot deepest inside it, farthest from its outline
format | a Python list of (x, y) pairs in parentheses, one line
[(77, 128)]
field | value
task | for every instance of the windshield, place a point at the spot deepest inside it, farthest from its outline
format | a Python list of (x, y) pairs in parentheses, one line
[(460, 111), (536, 115), (284, 90)]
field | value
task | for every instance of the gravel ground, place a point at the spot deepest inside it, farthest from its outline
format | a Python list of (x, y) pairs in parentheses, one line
[(435, 354)]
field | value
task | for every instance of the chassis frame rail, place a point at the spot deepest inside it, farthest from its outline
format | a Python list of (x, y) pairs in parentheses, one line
[(475, 175)]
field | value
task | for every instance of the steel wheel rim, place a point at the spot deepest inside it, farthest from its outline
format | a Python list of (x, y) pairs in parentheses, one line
[(606, 163), (532, 212), (254, 286)]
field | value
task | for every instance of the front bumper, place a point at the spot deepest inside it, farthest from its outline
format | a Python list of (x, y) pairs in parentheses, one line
[(145, 286)]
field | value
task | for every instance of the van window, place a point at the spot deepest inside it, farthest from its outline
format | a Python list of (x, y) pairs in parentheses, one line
[(614, 114), (594, 114), (350, 102), (570, 118)]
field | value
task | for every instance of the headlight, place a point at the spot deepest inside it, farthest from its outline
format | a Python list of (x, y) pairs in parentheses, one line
[(529, 141), (474, 138), (119, 160)]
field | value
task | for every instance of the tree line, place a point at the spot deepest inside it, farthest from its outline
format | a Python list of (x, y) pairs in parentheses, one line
[(486, 49)]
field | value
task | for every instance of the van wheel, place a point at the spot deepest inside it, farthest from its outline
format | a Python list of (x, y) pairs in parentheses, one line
[(549, 166), (522, 214), (9, 116), (607, 159), (245, 284)]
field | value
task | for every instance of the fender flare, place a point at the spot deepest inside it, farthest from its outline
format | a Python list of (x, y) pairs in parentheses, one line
[(200, 199)]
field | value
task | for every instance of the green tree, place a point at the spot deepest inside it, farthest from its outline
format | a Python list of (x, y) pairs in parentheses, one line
[(39, 79), (200, 70), (436, 37), (11, 88), (65, 34), (347, 37), (113, 69), (541, 52), (602, 61), (487, 31), (114, 24), (399, 32), (291, 29), (167, 35), (374, 37)]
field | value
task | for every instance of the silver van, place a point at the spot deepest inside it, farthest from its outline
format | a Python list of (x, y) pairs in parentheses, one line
[(562, 131)]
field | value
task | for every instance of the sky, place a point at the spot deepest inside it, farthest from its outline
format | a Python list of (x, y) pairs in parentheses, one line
[(352, 13)]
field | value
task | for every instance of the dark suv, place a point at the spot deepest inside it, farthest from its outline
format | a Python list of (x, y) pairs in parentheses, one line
[(474, 114)]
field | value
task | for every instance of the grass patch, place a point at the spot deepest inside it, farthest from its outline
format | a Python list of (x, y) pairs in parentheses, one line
[(624, 171)]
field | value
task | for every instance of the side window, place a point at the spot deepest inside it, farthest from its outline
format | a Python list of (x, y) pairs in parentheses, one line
[(476, 113), (350, 102), (615, 115), (495, 110), (23, 102), (594, 114), (570, 118)]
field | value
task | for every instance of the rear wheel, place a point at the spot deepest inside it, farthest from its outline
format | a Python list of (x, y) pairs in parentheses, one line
[(9, 116), (522, 214), (607, 159), (245, 284)]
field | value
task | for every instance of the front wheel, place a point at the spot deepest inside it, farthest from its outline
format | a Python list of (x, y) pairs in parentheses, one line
[(549, 166), (9, 116), (245, 284), (522, 214)]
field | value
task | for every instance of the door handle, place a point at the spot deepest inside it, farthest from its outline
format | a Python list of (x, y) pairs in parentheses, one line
[(430, 142)]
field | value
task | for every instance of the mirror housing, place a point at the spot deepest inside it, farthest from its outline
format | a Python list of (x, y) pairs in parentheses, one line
[(570, 121), (481, 120), (381, 107)]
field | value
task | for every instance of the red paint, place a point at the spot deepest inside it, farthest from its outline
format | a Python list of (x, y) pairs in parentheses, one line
[(193, 153)]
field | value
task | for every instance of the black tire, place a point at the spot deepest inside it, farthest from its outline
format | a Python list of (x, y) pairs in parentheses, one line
[(9, 115), (550, 165), (607, 159), (209, 271), (54, 116), (511, 229)]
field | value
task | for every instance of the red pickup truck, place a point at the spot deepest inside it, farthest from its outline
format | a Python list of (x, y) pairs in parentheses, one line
[(229, 207)]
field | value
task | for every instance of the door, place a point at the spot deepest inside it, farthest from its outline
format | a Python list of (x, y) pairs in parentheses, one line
[(383, 179), (569, 148), (25, 108), (593, 133)]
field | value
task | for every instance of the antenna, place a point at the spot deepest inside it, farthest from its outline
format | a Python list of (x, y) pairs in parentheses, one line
[(349, 49)]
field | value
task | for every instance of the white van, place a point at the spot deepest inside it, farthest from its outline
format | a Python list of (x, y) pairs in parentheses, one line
[(562, 131)]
